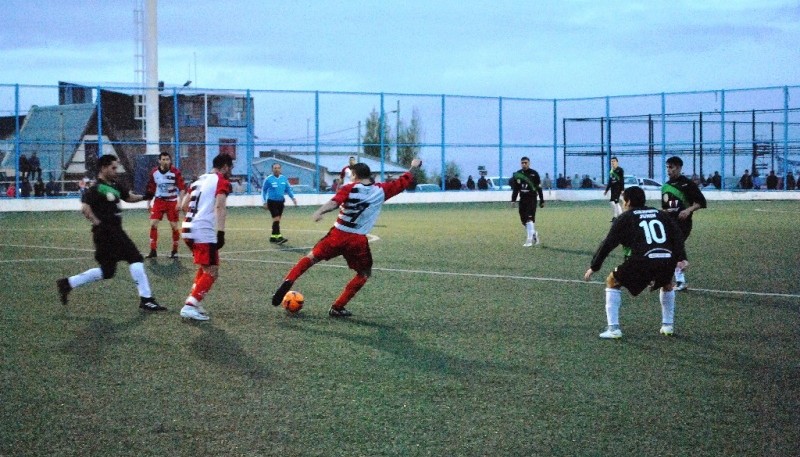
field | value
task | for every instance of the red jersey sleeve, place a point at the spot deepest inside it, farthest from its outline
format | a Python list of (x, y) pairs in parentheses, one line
[(392, 188), (223, 185), (179, 182), (151, 182), (343, 193)]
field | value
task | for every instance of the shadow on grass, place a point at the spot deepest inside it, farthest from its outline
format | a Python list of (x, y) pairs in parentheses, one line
[(568, 251), (388, 339), (166, 267), (215, 346), (91, 343)]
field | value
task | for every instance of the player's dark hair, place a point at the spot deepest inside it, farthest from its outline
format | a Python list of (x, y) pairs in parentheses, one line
[(221, 160), (164, 153), (106, 160), (361, 170), (635, 197), (615, 158), (675, 160), (524, 158)]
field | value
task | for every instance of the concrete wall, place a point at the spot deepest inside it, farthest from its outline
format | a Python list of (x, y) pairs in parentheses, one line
[(73, 204)]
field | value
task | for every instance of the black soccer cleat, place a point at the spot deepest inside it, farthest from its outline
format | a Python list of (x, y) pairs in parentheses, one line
[(150, 304), (281, 240), (339, 312), (173, 255), (153, 254), (63, 289), (281, 292)]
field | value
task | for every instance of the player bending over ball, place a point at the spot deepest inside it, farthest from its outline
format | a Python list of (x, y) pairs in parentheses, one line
[(359, 203), (653, 247)]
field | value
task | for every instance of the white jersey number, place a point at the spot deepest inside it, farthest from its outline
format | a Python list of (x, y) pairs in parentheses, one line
[(654, 231)]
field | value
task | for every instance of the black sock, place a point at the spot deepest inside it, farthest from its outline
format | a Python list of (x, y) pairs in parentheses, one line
[(276, 228)]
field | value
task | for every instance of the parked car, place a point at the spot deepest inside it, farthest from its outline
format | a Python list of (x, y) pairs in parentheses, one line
[(496, 183), (644, 183), (427, 188)]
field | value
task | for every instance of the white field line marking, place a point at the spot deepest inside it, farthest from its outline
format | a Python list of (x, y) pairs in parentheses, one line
[(396, 270)]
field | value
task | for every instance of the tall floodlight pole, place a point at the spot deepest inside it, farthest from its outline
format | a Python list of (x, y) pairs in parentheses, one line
[(151, 64)]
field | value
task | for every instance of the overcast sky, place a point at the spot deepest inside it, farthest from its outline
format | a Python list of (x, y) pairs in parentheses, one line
[(522, 48)]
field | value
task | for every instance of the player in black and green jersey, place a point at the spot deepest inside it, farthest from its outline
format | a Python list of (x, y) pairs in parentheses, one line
[(616, 184), (526, 184), (100, 205), (680, 198), (653, 247)]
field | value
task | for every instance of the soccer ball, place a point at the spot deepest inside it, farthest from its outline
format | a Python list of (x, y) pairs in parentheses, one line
[(293, 301)]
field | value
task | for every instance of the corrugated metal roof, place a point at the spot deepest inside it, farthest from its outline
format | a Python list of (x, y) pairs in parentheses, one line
[(53, 132)]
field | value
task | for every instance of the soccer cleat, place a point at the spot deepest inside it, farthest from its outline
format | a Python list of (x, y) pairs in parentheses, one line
[(173, 254), (63, 289), (150, 304), (193, 312), (273, 239), (339, 312), (667, 330), (680, 285), (281, 292), (153, 254), (611, 334), (527, 244), (281, 240)]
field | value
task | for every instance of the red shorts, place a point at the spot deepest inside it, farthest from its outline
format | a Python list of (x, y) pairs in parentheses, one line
[(353, 247), (162, 207), (205, 254)]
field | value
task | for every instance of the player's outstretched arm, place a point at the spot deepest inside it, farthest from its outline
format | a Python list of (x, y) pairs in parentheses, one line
[(329, 206)]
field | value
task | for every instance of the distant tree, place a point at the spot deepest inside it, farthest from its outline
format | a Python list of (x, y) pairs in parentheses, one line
[(451, 169), (408, 145), (372, 138)]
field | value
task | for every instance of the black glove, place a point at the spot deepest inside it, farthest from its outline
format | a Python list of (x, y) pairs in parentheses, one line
[(220, 239), (541, 203), (148, 195)]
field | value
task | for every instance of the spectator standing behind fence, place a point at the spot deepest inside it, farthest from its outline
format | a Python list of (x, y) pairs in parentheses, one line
[(772, 181), (483, 183), (746, 181), (470, 183), (51, 188), (547, 183), (25, 188), (38, 188), (561, 182), (576, 182), (24, 166), (35, 167), (790, 182)]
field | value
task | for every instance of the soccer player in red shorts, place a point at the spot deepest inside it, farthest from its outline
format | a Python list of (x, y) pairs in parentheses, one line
[(167, 185), (204, 230), (359, 203)]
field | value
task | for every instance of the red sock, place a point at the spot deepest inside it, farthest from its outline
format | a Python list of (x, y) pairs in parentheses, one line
[(302, 265), (197, 278), (202, 286), (176, 235), (350, 290), (153, 237)]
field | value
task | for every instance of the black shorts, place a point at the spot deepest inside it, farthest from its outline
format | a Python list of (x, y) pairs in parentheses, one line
[(615, 196), (275, 207), (636, 274), (112, 245), (527, 210)]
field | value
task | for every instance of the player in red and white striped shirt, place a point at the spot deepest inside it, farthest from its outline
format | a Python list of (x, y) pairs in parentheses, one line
[(167, 186), (359, 204), (204, 230)]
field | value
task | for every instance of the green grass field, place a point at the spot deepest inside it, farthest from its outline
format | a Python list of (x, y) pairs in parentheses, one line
[(462, 343)]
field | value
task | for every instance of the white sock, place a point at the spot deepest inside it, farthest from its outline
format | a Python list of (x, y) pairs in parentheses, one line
[(529, 230), (617, 209), (667, 300), (95, 274), (140, 278), (613, 302), (679, 276)]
